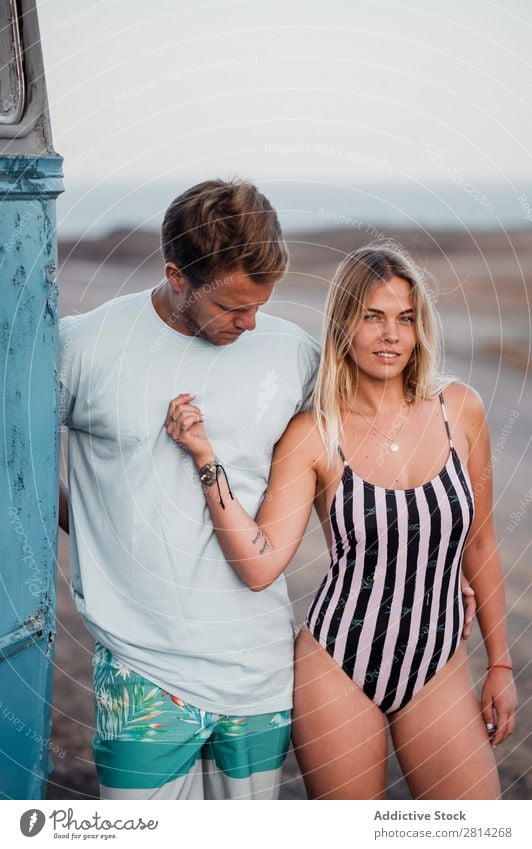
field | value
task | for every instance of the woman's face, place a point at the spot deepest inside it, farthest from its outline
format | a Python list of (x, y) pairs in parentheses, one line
[(385, 339)]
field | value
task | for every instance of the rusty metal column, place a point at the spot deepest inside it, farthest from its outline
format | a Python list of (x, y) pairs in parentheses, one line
[(30, 180)]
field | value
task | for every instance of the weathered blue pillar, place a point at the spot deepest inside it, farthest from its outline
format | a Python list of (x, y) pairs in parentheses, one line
[(30, 180)]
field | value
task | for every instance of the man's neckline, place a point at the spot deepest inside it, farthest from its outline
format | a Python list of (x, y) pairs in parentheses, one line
[(187, 338)]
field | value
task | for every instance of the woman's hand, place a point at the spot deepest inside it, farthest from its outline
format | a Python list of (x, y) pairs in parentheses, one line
[(499, 703), (184, 423)]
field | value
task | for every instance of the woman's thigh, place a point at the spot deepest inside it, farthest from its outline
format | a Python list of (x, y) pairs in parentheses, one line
[(339, 734), (441, 740)]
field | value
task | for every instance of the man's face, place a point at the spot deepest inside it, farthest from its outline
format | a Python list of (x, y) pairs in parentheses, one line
[(219, 310)]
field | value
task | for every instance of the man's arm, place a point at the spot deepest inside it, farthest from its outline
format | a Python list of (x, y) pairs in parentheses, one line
[(63, 507)]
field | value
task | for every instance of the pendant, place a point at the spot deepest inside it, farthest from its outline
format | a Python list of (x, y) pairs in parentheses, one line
[(394, 447)]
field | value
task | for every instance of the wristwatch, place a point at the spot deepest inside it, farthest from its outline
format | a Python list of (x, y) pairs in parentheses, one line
[(208, 473)]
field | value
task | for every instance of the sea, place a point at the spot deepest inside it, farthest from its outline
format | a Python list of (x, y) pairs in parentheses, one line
[(90, 210)]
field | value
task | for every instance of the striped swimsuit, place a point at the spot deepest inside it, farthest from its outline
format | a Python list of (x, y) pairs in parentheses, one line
[(389, 609)]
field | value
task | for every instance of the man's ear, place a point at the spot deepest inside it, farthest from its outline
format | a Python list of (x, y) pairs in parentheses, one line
[(175, 277)]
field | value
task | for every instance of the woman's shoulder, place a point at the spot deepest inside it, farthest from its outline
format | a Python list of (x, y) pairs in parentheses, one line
[(465, 407), (302, 435), (463, 398)]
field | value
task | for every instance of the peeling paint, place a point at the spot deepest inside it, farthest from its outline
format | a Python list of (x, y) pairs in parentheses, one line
[(36, 620), (18, 482), (19, 276), (30, 632), (29, 436), (50, 643)]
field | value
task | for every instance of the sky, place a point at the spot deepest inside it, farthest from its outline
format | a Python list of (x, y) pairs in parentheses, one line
[(339, 90)]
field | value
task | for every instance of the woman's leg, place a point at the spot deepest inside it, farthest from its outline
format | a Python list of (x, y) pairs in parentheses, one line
[(339, 734), (441, 740)]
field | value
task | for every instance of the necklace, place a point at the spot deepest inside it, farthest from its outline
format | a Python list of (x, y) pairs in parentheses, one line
[(393, 441)]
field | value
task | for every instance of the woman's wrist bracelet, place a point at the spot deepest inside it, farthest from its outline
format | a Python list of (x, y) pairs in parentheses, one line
[(500, 666)]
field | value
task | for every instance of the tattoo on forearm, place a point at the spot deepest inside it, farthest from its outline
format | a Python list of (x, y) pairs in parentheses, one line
[(259, 537)]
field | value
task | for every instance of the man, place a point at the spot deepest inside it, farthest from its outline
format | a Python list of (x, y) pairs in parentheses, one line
[(192, 672)]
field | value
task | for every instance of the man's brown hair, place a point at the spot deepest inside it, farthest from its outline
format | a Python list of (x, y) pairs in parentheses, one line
[(219, 226)]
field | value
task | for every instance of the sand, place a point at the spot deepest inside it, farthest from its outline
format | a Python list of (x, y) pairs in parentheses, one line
[(481, 284)]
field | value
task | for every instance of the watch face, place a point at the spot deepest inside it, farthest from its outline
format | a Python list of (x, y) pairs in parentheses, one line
[(208, 474)]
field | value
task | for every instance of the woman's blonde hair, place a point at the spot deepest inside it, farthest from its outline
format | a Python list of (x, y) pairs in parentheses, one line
[(356, 278)]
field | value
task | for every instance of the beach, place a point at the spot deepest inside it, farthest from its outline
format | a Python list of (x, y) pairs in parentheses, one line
[(481, 283)]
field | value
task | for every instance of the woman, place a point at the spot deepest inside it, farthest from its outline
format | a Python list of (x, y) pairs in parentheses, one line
[(382, 640)]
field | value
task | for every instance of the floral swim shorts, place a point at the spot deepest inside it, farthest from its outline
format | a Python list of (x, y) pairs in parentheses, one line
[(150, 744)]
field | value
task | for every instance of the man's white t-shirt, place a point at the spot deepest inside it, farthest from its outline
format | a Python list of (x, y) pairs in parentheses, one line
[(148, 575)]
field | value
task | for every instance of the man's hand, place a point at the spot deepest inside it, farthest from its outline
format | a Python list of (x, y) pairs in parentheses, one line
[(184, 423), (470, 606)]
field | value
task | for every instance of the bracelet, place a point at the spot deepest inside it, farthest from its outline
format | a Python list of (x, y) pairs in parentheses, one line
[(499, 666), (208, 475)]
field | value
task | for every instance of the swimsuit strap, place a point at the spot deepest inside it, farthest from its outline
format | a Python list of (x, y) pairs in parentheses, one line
[(446, 420), (342, 455)]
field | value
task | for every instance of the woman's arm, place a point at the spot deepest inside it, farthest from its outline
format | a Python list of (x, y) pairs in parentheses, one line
[(258, 550), (482, 567)]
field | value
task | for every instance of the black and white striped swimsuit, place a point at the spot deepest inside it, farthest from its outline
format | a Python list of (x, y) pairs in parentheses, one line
[(389, 609)]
